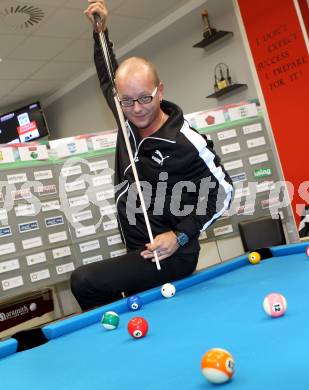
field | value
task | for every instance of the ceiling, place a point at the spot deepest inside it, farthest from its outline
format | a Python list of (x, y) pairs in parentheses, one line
[(45, 44)]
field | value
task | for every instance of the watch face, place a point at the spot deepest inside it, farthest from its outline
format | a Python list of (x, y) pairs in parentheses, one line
[(182, 239)]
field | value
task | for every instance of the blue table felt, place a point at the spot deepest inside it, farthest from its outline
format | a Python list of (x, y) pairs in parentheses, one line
[(217, 307)]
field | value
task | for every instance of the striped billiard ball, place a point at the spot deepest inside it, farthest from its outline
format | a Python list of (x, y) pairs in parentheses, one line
[(275, 305), (217, 365), (110, 320)]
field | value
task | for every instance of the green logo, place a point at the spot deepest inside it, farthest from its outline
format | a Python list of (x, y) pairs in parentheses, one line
[(262, 172)]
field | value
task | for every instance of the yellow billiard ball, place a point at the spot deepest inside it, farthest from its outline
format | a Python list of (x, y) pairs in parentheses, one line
[(254, 257)]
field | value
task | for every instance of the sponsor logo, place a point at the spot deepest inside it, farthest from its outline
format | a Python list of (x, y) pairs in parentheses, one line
[(219, 231), (245, 209), (47, 190), (21, 194), (270, 202), (72, 147), (262, 172), (158, 157), (239, 177), (22, 310), (210, 120), (28, 226), (19, 178), (34, 153), (5, 231), (53, 221)]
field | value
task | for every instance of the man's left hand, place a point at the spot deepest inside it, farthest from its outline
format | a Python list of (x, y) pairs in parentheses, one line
[(165, 244)]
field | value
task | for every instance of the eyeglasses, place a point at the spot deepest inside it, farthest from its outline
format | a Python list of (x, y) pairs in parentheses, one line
[(141, 100)]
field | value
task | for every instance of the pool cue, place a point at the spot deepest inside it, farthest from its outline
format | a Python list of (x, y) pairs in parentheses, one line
[(121, 118)]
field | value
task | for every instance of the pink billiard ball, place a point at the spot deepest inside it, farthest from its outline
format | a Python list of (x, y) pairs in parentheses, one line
[(307, 251), (138, 327), (275, 305)]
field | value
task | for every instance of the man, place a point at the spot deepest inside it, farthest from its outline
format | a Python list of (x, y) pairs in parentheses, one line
[(186, 187)]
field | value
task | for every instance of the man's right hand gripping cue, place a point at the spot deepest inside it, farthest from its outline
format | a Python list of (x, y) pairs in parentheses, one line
[(97, 7)]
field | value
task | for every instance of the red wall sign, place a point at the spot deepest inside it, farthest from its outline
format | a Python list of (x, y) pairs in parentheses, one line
[(281, 59)]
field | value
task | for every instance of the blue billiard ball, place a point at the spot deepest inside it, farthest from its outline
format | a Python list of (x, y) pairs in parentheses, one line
[(134, 302)]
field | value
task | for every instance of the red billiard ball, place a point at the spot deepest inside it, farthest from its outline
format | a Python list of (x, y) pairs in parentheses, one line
[(138, 327)]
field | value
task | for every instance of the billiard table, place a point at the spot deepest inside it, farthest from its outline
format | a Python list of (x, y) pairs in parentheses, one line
[(217, 307)]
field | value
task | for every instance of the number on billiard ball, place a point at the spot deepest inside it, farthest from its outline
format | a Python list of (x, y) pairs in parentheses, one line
[(134, 303), (217, 365), (138, 327)]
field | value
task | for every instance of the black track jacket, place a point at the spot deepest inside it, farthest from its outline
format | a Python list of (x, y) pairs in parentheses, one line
[(184, 185)]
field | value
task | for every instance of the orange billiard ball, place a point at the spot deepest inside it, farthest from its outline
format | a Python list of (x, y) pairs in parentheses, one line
[(254, 257), (217, 365)]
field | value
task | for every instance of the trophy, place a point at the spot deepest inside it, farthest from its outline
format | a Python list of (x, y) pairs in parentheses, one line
[(222, 76), (210, 34), (207, 31)]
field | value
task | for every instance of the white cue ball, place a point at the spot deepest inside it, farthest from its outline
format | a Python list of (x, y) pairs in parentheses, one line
[(168, 290)]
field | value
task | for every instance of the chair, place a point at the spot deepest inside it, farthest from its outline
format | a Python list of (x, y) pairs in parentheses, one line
[(261, 232)]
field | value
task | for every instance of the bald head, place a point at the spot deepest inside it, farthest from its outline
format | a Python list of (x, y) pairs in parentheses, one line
[(140, 93), (136, 68)]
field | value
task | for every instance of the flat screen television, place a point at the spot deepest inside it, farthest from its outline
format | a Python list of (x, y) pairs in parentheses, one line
[(23, 125)]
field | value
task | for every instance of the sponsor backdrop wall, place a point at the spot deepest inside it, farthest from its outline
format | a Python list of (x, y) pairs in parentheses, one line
[(57, 208)]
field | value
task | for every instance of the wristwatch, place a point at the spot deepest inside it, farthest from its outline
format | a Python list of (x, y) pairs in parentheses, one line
[(182, 238)]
